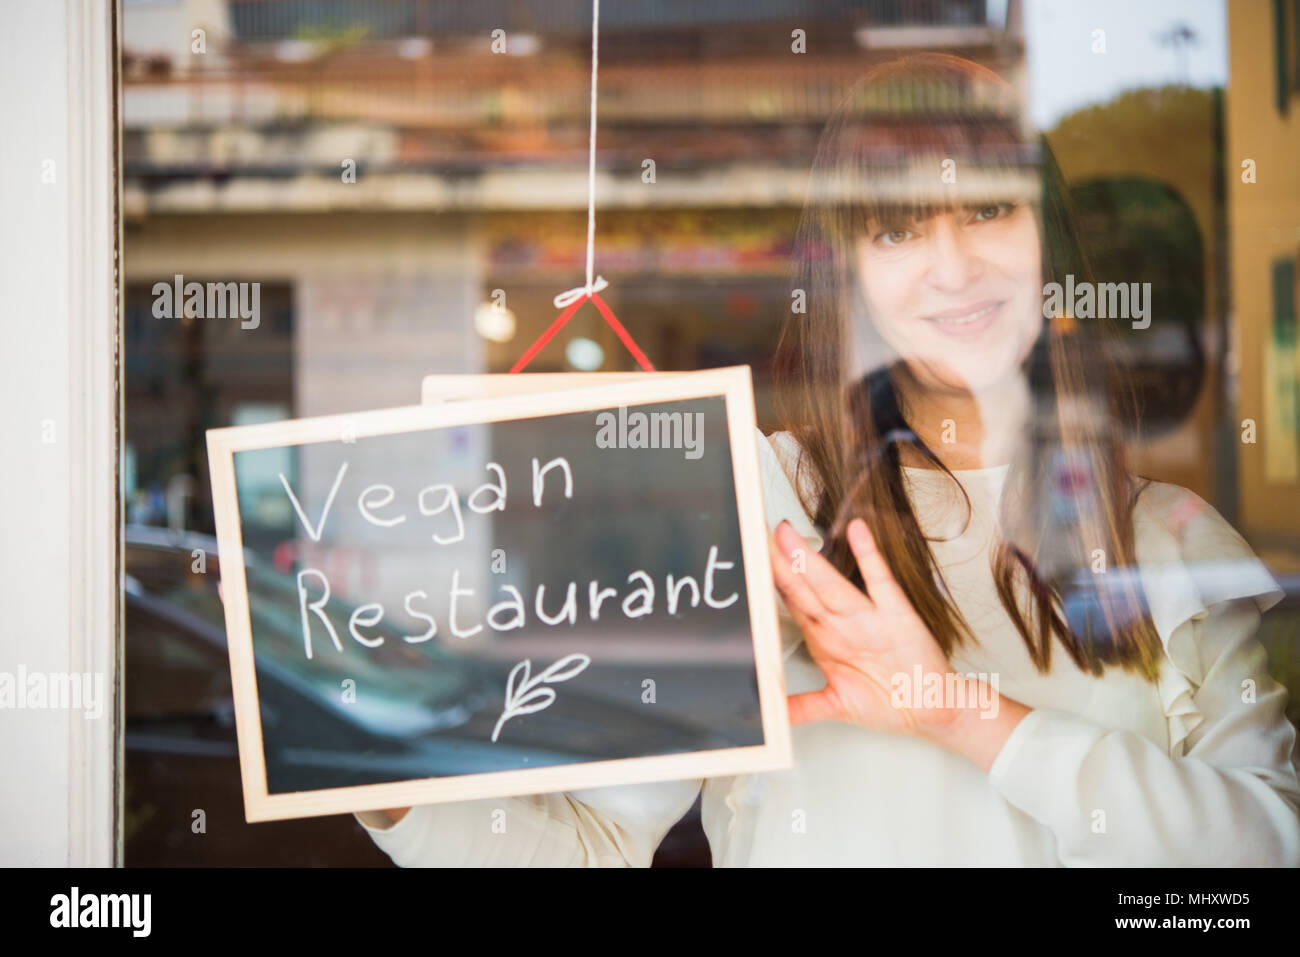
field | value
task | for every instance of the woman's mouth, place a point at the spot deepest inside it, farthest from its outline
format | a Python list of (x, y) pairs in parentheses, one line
[(966, 321)]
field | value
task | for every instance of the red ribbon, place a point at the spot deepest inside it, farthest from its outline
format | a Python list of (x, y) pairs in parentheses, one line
[(566, 315)]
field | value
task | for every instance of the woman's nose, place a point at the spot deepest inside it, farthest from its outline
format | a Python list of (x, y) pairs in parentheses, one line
[(954, 262)]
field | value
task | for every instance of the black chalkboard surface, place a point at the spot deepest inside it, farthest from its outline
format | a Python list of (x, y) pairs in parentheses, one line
[(500, 595)]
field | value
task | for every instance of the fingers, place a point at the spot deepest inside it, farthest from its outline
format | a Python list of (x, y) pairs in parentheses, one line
[(802, 603), (812, 706), (875, 570), (834, 592), (799, 597)]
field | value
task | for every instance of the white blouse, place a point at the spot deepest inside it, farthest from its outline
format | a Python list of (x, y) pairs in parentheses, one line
[(1194, 769)]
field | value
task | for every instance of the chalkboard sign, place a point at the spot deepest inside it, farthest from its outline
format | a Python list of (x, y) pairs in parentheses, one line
[(499, 594)]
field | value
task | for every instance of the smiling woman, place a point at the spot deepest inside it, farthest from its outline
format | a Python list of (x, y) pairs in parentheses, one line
[(932, 287), (961, 445), (917, 277)]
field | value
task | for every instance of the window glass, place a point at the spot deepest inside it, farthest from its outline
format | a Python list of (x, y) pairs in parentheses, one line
[(325, 202)]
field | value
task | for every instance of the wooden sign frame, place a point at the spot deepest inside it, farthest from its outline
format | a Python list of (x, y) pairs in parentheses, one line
[(733, 384)]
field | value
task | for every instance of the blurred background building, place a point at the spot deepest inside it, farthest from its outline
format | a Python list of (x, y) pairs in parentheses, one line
[(391, 170), (381, 171)]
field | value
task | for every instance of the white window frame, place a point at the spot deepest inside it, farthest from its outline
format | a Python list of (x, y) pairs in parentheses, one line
[(60, 522)]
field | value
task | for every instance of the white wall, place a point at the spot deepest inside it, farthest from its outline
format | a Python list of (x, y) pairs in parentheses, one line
[(58, 414)]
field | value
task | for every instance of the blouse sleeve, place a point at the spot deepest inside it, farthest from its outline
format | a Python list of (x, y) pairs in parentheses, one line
[(1226, 792), (600, 827)]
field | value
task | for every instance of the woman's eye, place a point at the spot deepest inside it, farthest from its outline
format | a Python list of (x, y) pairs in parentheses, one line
[(893, 237), (984, 213)]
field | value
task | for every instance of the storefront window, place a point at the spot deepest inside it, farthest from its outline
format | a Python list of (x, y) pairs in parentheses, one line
[(378, 192)]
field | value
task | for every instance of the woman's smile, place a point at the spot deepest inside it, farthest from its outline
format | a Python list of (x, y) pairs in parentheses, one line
[(967, 321)]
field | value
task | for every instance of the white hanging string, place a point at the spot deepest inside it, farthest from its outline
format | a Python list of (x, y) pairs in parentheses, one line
[(571, 296)]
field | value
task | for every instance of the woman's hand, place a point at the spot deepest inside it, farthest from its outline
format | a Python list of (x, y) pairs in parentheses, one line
[(867, 647)]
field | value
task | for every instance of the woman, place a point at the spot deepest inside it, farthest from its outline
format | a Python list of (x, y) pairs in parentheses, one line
[(1007, 651)]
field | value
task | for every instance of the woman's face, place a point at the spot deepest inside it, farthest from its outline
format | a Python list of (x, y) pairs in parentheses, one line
[(957, 295)]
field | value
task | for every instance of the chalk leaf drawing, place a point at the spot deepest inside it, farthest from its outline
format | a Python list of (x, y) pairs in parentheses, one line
[(522, 694)]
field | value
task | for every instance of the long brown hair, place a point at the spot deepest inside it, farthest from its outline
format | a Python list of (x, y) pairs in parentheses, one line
[(1064, 565)]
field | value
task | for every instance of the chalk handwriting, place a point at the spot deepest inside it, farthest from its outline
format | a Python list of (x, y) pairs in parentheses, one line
[(315, 533), (640, 597), (522, 694)]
